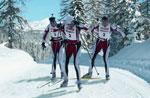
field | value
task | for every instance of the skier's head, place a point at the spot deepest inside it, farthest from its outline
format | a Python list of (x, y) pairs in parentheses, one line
[(52, 20), (105, 21), (68, 19)]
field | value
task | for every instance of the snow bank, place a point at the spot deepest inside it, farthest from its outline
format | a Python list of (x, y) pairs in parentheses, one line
[(135, 58), (13, 61)]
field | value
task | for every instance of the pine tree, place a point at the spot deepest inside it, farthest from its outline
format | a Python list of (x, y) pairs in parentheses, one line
[(94, 10), (76, 9), (10, 18), (64, 8), (73, 7), (145, 8)]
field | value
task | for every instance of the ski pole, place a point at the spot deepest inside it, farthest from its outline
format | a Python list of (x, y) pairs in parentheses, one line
[(91, 59), (89, 56)]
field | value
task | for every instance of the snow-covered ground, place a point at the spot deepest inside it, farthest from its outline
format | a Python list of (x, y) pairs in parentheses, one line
[(13, 61), (135, 58), (20, 76)]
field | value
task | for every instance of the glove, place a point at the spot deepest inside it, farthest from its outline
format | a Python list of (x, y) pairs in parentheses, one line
[(43, 45)]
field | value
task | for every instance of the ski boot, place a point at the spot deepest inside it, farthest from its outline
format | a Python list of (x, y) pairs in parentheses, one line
[(79, 85), (107, 77), (87, 75), (64, 83), (53, 76)]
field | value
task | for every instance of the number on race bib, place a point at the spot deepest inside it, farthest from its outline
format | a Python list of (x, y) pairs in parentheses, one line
[(70, 35), (103, 34)]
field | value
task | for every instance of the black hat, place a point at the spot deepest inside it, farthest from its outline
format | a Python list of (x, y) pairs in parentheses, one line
[(104, 18), (52, 18)]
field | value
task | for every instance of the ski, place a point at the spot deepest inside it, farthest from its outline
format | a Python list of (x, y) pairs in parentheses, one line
[(54, 83), (90, 78), (44, 84), (62, 87), (51, 81), (86, 78)]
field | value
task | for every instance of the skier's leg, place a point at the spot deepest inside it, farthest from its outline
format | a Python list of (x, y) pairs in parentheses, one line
[(63, 69), (93, 61), (66, 64), (54, 66), (95, 52), (68, 55), (55, 48), (60, 60), (52, 56), (105, 58), (77, 67), (55, 58), (97, 49)]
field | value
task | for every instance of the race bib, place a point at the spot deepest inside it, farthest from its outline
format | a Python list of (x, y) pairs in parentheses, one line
[(70, 33), (54, 33), (105, 35), (104, 32)]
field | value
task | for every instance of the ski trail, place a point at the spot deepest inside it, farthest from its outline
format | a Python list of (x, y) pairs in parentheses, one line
[(130, 85), (122, 84)]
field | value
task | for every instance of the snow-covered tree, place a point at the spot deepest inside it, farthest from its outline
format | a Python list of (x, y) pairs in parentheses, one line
[(145, 8), (94, 9), (124, 13), (64, 8), (140, 24), (10, 18), (76, 9)]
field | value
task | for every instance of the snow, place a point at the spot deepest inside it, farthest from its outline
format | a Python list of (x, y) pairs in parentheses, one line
[(20, 77), (13, 61), (128, 1), (135, 58), (137, 13), (133, 20)]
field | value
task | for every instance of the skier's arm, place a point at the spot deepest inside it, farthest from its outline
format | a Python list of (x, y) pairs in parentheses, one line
[(45, 33), (82, 27), (96, 27), (62, 29), (44, 37)]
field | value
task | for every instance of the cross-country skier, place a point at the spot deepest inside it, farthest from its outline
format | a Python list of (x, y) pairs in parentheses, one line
[(72, 46), (56, 42), (104, 30)]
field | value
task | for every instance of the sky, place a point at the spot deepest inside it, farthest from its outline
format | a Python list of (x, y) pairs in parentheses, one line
[(35, 10)]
